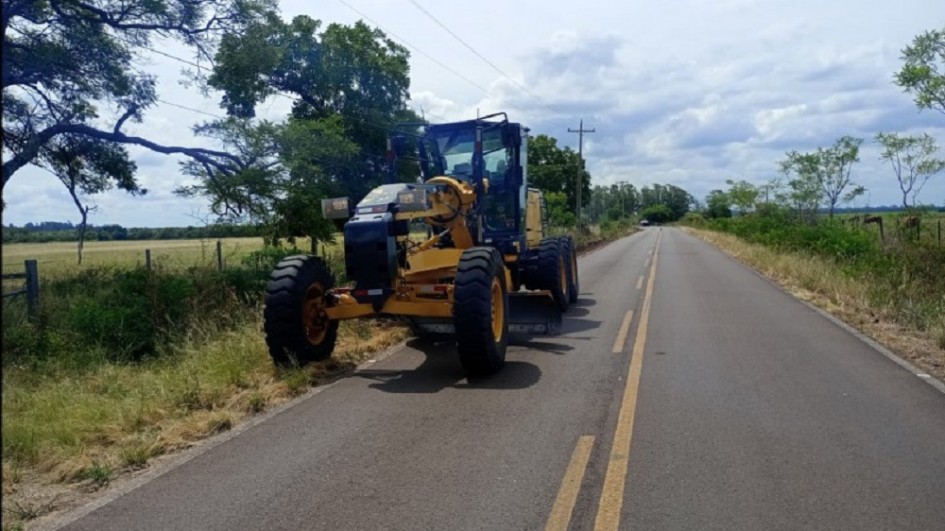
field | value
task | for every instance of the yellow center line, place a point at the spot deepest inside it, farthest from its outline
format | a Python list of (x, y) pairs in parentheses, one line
[(560, 516), (611, 499), (640, 282), (622, 334)]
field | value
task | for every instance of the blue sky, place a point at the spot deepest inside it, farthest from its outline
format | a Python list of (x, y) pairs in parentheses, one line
[(685, 92)]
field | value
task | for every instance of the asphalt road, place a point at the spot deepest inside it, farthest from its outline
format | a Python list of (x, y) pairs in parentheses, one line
[(719, 403)]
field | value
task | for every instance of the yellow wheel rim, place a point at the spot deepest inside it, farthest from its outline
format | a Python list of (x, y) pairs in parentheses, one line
[(314, 318), (498, 311)]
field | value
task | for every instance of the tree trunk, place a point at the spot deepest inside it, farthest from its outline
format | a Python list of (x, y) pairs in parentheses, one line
[(82, 229)]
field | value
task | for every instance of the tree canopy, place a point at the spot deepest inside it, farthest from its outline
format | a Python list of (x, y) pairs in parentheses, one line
[(349, 85), (555, 169), (913, 161), (923, 70), (71, 79)]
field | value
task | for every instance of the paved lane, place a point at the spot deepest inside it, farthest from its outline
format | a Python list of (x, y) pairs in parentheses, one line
[(410, 444)]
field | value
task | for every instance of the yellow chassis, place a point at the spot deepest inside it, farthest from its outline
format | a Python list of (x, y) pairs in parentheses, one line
[(417, 291)]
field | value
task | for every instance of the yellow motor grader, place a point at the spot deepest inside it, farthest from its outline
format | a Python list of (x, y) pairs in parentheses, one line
[(486, 267)]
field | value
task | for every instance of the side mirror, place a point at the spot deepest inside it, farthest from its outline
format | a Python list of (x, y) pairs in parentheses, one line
[(336, 208)]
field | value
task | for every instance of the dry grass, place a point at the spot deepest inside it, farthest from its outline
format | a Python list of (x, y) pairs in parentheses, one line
[(819, 282), (74, 433)]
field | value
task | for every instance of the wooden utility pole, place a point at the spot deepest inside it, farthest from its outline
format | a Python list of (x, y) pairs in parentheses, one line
[(580, 170)]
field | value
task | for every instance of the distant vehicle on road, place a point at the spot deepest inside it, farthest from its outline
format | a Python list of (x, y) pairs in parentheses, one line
[(644, 222)]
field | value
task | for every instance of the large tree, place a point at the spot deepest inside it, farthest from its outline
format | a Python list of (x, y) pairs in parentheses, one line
[(555, 169), (913, 161), (71, 79), (355, 74), (923, 70)]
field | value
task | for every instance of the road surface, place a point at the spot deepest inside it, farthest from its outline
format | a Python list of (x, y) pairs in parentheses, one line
[(685, 392)]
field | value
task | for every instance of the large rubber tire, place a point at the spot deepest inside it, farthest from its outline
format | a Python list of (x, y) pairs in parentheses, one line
[(552, 271), (481, 311), (574, 282), (297, 330)]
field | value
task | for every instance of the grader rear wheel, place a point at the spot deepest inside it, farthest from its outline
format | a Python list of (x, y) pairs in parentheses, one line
[(298, 331), (574, 283), (553, 271)]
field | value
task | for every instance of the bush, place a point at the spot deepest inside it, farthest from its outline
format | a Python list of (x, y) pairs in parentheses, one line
[(107, 314)]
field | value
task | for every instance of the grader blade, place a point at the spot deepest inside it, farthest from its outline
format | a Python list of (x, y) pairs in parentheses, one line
[(533, 312)]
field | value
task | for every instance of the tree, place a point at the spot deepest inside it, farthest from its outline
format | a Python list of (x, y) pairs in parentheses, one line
[(912, 159), (658, 214), (743, 195), (829, 170), (559, 215), (87, 166), (923, 70), (718, 205), (71, 66), (552, 169), (836, 164), (802, 192), (676, 199), (350, 84), (354, 73), (294, 165)]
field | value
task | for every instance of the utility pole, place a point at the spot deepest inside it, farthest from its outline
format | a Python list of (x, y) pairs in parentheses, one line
[(580, 173)]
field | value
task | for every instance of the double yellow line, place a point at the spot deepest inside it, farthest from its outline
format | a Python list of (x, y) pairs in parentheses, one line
[(611, 500)]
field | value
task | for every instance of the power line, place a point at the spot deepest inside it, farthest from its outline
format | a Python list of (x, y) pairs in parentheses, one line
[(191, 109), (174, 57), (414, 48), (479, 55)]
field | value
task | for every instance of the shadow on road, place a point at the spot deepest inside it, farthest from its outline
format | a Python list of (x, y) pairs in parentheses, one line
[(441, 369), (584, 302)]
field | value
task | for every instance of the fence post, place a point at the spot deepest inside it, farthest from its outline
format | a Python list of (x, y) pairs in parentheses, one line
[(219, 256), (940, 232), (147, 259), (32, 288)]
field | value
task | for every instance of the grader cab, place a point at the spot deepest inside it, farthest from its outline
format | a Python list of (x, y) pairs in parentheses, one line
[(484, 268)]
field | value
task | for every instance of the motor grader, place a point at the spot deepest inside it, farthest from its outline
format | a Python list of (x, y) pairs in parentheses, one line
[(484, 268)]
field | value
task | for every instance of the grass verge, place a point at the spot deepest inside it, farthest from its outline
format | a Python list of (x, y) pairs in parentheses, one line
[(853, 299)]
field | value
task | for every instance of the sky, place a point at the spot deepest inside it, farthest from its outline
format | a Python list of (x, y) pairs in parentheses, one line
[(682, 92)]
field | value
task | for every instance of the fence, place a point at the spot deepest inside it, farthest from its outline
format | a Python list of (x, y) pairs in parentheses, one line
[(219, 255), (30, 286), (911, 228)]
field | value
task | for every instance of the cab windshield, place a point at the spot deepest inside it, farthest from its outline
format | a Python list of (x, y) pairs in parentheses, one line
[(450, 152)]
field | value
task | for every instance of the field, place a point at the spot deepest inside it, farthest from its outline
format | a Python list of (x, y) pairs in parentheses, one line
[(60, 257)]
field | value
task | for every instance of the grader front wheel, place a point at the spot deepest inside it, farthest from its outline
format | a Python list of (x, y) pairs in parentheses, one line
[(298, 331), (481, 309)]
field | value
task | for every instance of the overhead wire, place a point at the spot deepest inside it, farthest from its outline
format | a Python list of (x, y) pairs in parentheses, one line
[(415, 48), (479, 55)]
